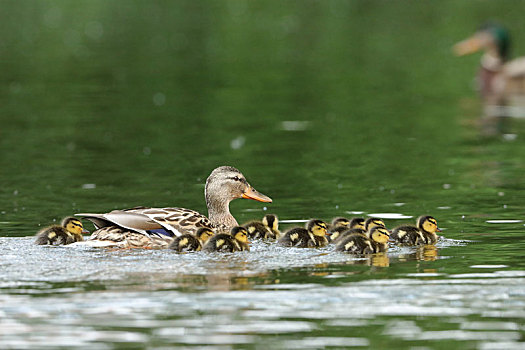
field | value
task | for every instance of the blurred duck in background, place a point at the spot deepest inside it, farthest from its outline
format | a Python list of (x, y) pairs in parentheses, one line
[(501, 81)]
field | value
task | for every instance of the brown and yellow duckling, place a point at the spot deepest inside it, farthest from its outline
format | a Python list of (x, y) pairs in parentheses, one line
[(360, 244), (354, 226), (424, 233), (267, 229), (69, 231), (373, 222), (314, 235), (237, 240), (191, 243)]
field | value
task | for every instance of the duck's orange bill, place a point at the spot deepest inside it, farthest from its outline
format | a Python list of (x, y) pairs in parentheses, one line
[(468, 46), (251, 193)]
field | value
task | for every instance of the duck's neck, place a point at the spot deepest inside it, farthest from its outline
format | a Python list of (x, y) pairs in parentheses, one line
[(219, 212)]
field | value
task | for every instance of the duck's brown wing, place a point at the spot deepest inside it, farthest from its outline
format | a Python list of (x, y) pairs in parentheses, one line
[(132, 221), (177, 220)]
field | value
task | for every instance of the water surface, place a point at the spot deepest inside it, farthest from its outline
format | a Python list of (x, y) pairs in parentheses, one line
[(331, 108)]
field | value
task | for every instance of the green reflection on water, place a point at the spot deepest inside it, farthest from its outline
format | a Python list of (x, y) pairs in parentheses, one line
[(143, 99)]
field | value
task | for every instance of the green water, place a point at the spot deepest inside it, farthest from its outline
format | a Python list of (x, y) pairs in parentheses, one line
[(328, 107)]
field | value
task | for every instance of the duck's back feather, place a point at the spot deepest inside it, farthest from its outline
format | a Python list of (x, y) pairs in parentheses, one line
[(176, 221)]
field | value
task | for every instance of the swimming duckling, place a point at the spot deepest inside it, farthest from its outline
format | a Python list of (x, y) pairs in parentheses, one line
[(340, 222), (314, 235), (267, 229), (224, 242), (424, 233), (373, 222), (360, 244), (191, 243), (69, 231), (354, 224)]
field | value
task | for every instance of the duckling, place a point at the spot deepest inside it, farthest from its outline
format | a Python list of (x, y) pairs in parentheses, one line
[(272, 222), (237, 240), (340, 222), (360, 244), (372, 222), (267, 229), (314, 235), (354, 224), (191, 243), (69, 231), (424, 233)]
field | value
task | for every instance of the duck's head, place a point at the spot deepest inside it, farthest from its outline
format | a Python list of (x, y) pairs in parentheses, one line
[(226, 183), (271, 221), (203, 234), (340, 221), (317, 227), (357, 223), (74, 226), (493, 38), (379, 234), (428, 223), (240, 234), (370, 223)]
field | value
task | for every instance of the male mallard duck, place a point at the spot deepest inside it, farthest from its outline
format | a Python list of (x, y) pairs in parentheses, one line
[(424, 233), (338, 231), (69, 231), (314, 235), (191, 243), (156, 227), (267, 229), (498, 78), (227, 243), (360, 244)]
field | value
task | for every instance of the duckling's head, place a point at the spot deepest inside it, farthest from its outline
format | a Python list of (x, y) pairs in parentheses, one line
[(373, 222), (317, 227), (491, 37), (357, 223), (226, 183), (428, 223), (271, 221), (379, 234), (203, 234), (240, 234), (340, 221), (74, 226)]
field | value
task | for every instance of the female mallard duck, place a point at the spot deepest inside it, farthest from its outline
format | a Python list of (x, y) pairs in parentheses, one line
[(499, 77), (267, 229), (228, 243), (355, 225), (314, 235), (424, 233), (69, 231), (156, 227), (360, 244), (191, 243)]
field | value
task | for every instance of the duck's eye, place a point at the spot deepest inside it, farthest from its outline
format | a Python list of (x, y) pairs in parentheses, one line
[(236, 178)]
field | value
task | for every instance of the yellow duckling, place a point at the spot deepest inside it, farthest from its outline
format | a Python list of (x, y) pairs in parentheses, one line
[(355, 225), (360, 244), (267, 229), (227, 243), (69, 231), (340, 222), (191, 243), (314, 235), (424, 233), (373, 222)]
